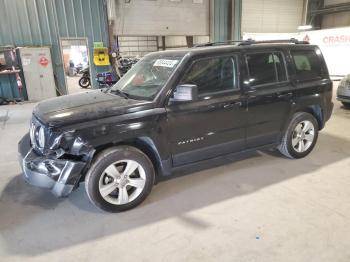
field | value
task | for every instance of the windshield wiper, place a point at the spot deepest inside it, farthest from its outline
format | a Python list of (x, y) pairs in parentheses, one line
[(120, 93)]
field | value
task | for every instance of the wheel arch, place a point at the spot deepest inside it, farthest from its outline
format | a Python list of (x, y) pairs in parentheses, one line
[(316, 111), (145, 145)]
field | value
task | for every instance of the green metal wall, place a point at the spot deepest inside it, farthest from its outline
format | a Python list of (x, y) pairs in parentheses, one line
[(221, 20), (44, 22), (227, 23)]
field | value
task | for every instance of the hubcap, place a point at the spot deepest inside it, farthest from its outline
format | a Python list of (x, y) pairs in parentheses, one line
[(122, 182), (303, 136)]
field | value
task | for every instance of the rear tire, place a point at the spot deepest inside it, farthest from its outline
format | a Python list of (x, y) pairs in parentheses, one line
[(120, 178), (300, 137)]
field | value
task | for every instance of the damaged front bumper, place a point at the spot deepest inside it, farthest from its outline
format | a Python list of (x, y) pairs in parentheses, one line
[(59, 175)]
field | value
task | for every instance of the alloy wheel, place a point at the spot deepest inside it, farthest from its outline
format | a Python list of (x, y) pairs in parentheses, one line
[(122, 182), (303, 136)]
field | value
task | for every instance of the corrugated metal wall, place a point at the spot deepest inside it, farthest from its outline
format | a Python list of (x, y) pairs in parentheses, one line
[(161, 17), (338, 19), (271, 16), (44, 22), (137, 45)]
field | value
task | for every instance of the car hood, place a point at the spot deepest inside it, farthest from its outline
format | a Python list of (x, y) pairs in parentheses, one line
[(82, 107)]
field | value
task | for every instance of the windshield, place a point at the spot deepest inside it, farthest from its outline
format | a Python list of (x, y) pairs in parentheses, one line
[(146, 78)]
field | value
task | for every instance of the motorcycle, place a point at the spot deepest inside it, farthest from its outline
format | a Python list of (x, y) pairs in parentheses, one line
[(78, 68), (84, 81), (125, 64), (107, 79)]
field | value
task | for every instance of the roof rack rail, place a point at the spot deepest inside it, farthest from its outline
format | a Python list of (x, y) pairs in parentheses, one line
[(288, 41), (253, 42), (218, 43)]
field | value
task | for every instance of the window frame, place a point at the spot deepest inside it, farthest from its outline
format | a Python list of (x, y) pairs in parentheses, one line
[(204, 96), (295, 66), (273, 52)]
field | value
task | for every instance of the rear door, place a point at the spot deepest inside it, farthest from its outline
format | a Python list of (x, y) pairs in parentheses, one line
[(312, 81), (214, 124), (270, 96)]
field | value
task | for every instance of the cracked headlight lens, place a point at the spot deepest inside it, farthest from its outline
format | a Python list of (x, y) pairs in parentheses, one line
[(41, 137)]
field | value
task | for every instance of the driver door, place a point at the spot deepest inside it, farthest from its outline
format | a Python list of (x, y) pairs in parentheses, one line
[(213, 124)]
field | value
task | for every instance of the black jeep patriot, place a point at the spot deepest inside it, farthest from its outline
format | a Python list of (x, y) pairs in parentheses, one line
[(176, 109)]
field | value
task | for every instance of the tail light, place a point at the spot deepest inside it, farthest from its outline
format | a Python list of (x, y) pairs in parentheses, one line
[(109, 78)]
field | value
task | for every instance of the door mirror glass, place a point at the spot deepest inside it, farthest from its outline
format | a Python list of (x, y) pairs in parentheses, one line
[(185, 93)]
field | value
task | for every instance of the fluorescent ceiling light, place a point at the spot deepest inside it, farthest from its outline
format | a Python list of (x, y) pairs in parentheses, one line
[(304, 27)]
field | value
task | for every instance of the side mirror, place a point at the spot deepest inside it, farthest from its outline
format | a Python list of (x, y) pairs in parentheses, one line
[(185, 93)]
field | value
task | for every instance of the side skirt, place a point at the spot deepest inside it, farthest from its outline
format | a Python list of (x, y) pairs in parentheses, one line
[(212, 162)]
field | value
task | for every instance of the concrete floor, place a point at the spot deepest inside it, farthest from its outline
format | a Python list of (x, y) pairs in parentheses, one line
[(73, 85), (261, 208)]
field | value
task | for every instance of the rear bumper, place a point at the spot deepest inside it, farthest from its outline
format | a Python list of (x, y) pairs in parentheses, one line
[(329, 111), (59, 175)]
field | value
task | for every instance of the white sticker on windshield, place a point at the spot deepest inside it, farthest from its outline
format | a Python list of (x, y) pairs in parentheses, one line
[(165, 62)]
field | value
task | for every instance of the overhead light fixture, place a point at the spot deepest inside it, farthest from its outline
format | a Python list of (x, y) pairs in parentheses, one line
[(304, 27)]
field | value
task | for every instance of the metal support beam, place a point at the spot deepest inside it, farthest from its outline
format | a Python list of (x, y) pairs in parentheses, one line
[(189, 41), (237, 20), (163, 42), (225, 17), (311, 19)]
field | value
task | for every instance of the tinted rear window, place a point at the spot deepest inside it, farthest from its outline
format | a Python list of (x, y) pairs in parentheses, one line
[(307, 64), (266, 68)]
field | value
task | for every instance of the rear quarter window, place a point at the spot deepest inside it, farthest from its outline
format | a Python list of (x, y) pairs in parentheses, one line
[(307, 64)]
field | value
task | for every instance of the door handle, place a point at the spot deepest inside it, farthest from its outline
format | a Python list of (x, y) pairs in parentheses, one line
[(287, 95), (250, 93), (232, 105)]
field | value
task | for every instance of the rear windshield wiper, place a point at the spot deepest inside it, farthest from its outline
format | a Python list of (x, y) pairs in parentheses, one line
[(120, 93)]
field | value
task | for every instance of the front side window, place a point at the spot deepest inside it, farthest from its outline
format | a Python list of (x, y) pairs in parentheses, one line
[(266, 68), (212, 75), (307, 64), (147, 77)]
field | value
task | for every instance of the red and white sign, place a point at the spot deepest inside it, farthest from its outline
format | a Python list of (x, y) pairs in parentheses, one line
[(336, 39), (335, 47), (43, 61)]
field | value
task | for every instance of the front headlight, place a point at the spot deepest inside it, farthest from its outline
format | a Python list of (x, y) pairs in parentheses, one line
[(41, 137)]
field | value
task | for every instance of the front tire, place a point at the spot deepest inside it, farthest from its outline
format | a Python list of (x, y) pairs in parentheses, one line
[(300, 137), (84, 82), (120, 178)]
